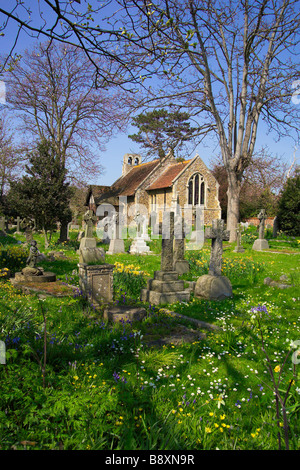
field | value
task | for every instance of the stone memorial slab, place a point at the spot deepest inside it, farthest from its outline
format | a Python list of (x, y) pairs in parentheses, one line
[(214, 286), (166, 288)]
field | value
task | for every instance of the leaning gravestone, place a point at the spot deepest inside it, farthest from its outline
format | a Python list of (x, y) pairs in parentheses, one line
[(260, 243), (214, 286), (166, 288)]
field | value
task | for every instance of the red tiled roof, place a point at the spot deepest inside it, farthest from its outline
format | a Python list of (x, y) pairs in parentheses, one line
[(165, 180), (126, 185)]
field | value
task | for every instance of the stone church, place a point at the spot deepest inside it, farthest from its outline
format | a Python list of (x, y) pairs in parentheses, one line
[(158, 185)]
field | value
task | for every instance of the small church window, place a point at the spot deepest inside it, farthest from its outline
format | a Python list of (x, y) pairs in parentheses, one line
[(136, 161), (196, 190), (202, 193), (190, 196), (129, 160)]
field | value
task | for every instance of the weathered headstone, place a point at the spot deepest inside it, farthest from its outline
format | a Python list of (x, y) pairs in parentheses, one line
[(214, 286), (239, 248), (260, 243), (166, 287), (116, 243), (2, 224), (18, 220), (88, 250), (216, 234), (275, 226), (27, 224), (96, 283), (180, 264), (90, 220), (154, 225)]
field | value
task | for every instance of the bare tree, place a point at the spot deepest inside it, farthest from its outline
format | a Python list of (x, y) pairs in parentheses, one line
[(10, 157), (231, 64), (96, 30), (52, 92)]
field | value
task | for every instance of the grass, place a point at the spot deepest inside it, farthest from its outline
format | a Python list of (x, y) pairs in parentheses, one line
[(72, 381)]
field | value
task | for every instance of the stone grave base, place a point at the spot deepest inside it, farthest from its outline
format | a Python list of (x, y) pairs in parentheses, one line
[(44, 285), (139, 246), (239, 249), (39, 279), (260, 244), (165, 288), (116, 246), (213, 287), (125, 313)]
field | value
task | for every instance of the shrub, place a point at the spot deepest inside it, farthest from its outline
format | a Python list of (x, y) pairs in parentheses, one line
[(13, 257)]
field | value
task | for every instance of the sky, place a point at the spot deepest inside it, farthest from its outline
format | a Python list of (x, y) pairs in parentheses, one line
[(111, 159)]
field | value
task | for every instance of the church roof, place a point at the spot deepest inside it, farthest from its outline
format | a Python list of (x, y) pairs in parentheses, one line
[(166, 179), (96, 191), (126, 185)]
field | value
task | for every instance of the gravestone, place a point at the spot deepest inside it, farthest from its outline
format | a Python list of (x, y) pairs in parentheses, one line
[(180, 264), (166, 288), (96, 283), (139, 245), (2, 224), (214, 286), (116, 244), (260, 243), (88, 251), (18, 220), (154, 225), (239, 248), (275, 226), (28, 225)]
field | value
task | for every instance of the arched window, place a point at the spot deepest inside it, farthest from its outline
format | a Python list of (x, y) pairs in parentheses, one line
[(129, 160), (196, 190), (202, 193), (190, 196)]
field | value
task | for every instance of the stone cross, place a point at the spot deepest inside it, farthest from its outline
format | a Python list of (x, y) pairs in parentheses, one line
[(27, 225), (18, 220), (216, 234), (167, 243), (90, 219), (2, 223), (262, 217), (179, 238)]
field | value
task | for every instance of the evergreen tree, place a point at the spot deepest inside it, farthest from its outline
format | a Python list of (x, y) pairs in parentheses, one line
[(160, 130), (42, 193), (289, 206)]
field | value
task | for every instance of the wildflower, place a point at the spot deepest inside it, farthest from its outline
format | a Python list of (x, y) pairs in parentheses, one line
[(277, 369)]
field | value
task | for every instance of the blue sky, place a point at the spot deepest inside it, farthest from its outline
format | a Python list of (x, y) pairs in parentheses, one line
[(112, 158)]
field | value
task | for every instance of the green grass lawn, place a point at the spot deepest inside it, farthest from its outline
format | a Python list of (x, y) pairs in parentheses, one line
[(75, 382)]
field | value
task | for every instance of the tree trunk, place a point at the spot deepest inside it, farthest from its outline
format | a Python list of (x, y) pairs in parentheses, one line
[(63, 234), (233, 207)]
